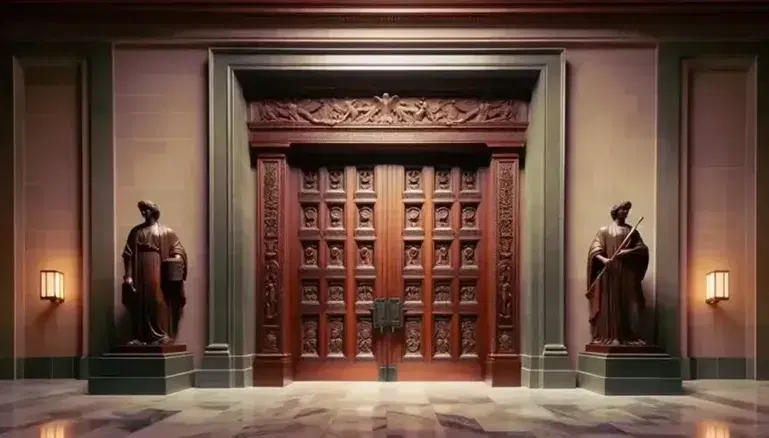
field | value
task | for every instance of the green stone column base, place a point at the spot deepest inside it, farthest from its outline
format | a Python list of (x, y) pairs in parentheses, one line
[(551, 370), (220, 369), (634, 371), (141, 373)]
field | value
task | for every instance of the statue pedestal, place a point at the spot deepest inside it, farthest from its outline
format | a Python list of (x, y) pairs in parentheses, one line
[(141, 370), (629, 370)]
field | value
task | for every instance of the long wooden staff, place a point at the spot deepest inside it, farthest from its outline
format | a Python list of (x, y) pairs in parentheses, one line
[(619, 248)]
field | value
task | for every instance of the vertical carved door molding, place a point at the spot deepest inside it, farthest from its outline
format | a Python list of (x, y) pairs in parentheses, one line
[(271, 349), (504, 308)]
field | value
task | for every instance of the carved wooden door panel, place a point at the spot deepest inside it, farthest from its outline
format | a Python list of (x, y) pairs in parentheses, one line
[(339, 262), (413, 233), (435, 268)]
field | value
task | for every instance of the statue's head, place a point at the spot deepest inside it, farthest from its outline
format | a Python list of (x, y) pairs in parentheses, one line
[(149, 210), (621, 210)]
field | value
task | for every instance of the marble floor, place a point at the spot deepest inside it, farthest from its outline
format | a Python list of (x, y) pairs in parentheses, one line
[(60, 409)]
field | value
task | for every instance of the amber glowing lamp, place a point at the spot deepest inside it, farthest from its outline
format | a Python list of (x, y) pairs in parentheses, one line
[(717, 287), (52, 286)]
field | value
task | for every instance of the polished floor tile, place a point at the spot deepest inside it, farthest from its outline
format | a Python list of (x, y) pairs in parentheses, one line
[(61, 409)]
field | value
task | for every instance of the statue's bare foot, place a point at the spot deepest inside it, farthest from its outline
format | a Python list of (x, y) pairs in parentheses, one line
[(135, 342)]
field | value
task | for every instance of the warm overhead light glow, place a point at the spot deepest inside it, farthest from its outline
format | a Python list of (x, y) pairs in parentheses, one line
[(717, 286), (52, 286)]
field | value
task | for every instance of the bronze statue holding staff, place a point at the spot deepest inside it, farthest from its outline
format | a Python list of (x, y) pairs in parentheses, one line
[(153, 285), (616, 264)]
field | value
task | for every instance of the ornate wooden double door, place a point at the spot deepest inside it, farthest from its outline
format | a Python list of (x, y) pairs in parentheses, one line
[(408, 237)]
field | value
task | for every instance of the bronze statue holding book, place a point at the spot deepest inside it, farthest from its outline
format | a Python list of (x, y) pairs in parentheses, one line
[(153, 285)]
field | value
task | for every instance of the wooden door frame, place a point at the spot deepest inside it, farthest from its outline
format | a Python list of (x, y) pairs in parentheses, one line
[(230, 354)]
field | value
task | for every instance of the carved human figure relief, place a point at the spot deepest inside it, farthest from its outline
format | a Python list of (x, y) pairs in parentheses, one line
[(336, 216), (336, 336), (412, 217), (413, 180), (310, 180), (442, 254), (469, 216), (442, 293), (270, 297), (309, 337), (413, 336), (365, 217), (412, 292), (505, 296), (366, 255), (310, 217), (365, 338), (310, 293), (469, 181), (365, 180), (468, 255), (387, 110), (310, 255), (336, 180), (365, 292), (442, 180), (413, 253), (468, 332), (442, 216), (442, 336), (336, 293)]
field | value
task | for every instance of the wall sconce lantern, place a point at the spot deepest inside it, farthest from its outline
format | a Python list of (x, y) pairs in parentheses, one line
[(52, 286), (717, 286)]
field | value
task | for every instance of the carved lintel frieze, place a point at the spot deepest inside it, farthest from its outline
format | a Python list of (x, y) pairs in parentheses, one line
[(388, 111)]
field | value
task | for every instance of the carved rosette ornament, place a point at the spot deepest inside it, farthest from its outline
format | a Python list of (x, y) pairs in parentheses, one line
[(507, 177), (272, 286), (387, 111), (413, 337), (336, 293)]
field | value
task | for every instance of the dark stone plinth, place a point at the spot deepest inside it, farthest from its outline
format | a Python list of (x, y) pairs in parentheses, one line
[(150, 349), (629, 370), (623, 349), (141, 370)]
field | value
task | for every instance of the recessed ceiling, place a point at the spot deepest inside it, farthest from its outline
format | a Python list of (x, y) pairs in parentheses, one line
[(485, 84)]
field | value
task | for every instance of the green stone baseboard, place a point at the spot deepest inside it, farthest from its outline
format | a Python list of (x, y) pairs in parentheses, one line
[(739, 368), (59, 367), (630, 374), (223, 370), (140, 374)]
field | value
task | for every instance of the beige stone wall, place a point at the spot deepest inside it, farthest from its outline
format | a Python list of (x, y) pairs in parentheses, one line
[(718, 230), (161, 152), (51, 219), (610, 157)]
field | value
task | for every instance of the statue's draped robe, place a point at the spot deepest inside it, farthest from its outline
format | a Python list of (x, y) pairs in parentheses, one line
[(156, 306), (613, 297)]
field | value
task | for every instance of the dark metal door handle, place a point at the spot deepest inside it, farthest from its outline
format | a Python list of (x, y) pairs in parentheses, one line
[(379, 314), (394, 314)]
